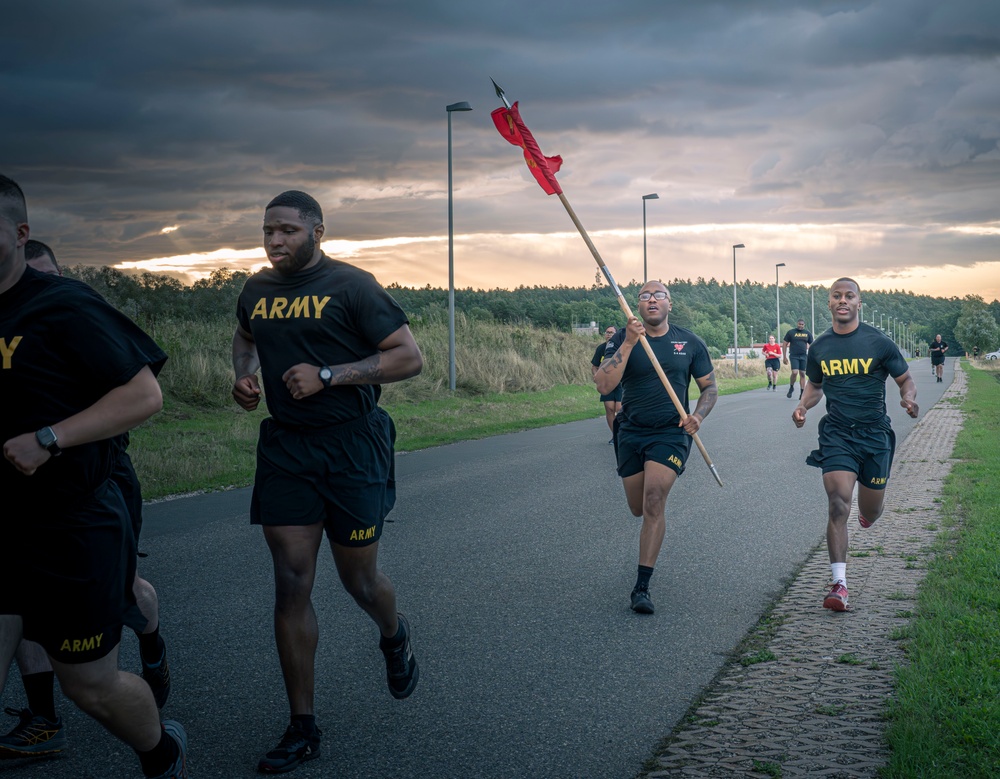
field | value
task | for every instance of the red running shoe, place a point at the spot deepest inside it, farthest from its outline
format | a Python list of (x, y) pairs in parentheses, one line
[(836, 600), (864, 522)]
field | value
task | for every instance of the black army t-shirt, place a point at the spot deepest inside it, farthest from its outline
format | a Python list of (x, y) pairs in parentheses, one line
[(798, 342), (599, 354), (645, 402), (330, 314), (852, 370), (63, 348)]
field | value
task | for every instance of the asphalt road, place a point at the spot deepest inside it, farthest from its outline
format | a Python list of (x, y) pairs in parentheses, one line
[(513, 558)]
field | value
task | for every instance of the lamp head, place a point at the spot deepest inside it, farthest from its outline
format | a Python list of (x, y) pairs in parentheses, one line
[(739, 246), (463, 106), (652, 196)]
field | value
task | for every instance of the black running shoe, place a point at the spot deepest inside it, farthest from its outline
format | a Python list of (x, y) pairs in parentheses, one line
[(641, 602), (157, 676), (791, 389), (401, 668), (33, 736), (296, 746)]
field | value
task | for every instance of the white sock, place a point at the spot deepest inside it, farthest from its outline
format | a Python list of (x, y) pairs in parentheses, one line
[(838, 571)]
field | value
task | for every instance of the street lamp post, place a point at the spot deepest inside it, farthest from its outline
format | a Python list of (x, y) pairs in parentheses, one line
[(463, 106), (736, 349), (880, 315), (777, 303), (651, 196)]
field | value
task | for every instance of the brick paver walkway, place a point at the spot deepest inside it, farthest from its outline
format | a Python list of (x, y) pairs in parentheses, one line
[(816, 709)]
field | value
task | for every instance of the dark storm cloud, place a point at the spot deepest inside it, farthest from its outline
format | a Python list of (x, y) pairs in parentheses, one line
[(131, 117)]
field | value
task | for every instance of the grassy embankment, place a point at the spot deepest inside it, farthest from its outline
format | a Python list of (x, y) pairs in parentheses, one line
[(945, 719), (509, 378)]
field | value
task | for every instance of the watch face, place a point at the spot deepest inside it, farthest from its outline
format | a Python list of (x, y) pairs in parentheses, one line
[(46, 438), (325, 375)]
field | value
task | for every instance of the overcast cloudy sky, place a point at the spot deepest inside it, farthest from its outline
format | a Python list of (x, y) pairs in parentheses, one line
[(841, 138)]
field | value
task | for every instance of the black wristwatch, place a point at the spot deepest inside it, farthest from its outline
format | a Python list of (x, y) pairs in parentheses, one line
[(47, 440), (326, 376)]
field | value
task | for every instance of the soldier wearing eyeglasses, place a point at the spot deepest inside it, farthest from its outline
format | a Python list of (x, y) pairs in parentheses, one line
[(652, 441)]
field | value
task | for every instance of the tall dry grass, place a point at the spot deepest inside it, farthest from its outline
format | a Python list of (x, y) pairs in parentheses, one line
[(489, 358)]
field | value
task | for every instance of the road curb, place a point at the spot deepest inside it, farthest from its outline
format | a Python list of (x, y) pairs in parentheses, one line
[(816, 709)]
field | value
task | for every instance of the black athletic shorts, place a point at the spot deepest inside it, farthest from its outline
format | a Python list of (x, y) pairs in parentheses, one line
[(937, 359), (773, 363), (124, 476), (668, 446), (866, 451), (70, 576), (797, 363), (616, 395), (343, 475)]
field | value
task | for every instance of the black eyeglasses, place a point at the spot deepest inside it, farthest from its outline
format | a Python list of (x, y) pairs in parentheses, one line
[(644, 296)]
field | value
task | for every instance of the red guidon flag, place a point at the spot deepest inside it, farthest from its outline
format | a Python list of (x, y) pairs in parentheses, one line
[(513, 129)]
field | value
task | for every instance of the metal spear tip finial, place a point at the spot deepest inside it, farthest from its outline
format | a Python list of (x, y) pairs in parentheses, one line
[(500, 93)]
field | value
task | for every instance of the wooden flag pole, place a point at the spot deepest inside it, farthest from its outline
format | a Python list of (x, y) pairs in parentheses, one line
[(642, 339)]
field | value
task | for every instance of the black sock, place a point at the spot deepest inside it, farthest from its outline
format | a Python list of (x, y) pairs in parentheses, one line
[(396, 640), (161, 757), (306, 722), (642, 580), (38, 689), (150, 647)]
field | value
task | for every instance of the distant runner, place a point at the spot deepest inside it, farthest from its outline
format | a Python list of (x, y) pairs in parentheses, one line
[(772, 362), (938, 348), (796, 346)]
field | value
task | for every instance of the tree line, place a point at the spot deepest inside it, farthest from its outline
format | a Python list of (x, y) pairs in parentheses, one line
[(704, 306)]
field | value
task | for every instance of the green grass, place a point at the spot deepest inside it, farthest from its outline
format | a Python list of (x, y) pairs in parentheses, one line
[(945, 718), (760, 656), (436, 422), (767, 767)]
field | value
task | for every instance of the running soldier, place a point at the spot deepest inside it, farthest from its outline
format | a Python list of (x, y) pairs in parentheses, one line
[(795, 348), (772, 362), (937, 350), (78, 373), (613, 400), (324, 336), (40, 731), (652, 442), (850, 363)]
